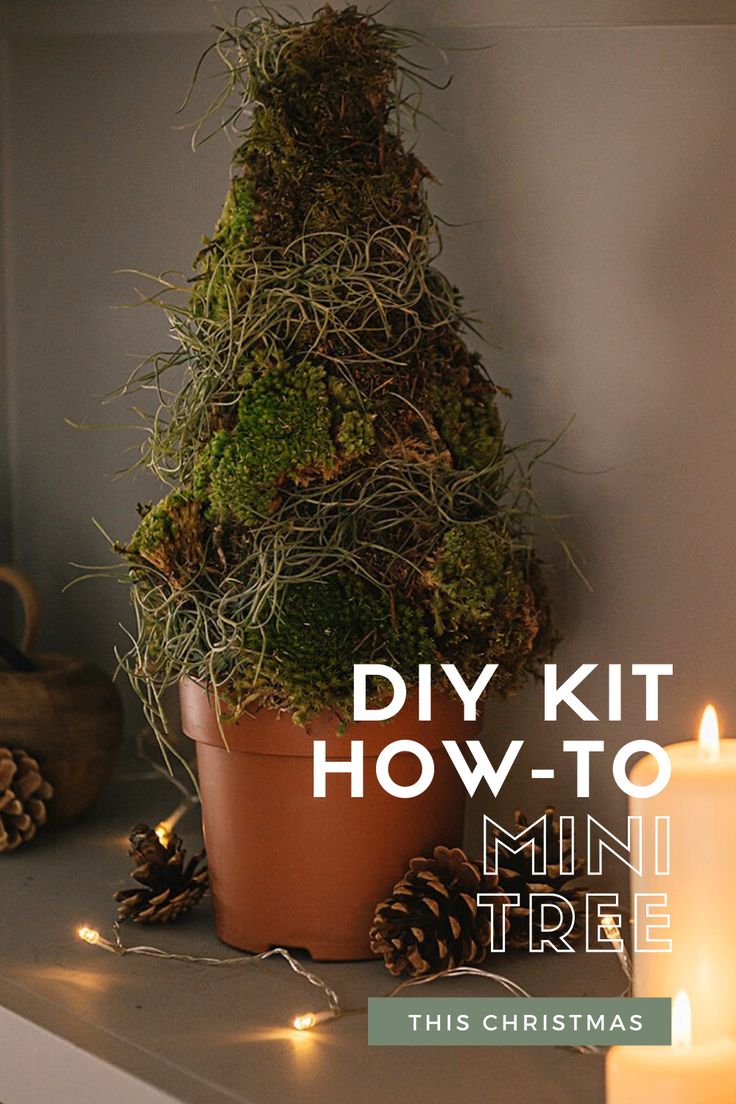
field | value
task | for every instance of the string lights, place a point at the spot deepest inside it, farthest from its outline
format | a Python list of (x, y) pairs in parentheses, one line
[(164, 828), (88, 935), (510, 986), (306, 1021), (302, 1022), (613, 935)]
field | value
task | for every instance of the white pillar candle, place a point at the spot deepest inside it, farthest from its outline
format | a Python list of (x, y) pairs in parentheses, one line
[(700, 800), (680, 1074)]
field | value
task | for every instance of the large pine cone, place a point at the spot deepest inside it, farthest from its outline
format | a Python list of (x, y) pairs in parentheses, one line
[(431, 922), (169, 886), (515, 875), (23, 796)]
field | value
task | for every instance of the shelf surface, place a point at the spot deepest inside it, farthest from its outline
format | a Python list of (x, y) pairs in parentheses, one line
[(94, 1026)]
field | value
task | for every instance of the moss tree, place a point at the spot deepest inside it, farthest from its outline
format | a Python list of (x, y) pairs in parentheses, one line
[(340, 489)]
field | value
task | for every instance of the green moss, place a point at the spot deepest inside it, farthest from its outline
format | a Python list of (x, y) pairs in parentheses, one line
[(369, 446), (282, 428), (319, 155), (356, 434), (158, 525), (467, 574), (171, 537), (326, 627), (216, 288), (237, 215), (488, 597), (468, 420)]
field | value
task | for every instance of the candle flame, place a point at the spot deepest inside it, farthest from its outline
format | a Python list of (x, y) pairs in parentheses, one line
[(682, 1021), (708, 736)]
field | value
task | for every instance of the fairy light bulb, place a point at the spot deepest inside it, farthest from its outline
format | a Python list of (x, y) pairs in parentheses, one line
[(610, 927), (164, 828), (612, 931), (88, 935), (305, 1021)]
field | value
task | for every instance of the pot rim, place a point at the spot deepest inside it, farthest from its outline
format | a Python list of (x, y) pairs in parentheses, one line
[(273, 732)]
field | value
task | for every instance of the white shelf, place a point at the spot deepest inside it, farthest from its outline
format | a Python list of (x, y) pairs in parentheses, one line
[(80, 1026)]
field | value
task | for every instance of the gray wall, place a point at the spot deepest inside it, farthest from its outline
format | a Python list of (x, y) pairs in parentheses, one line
[(588, 150)]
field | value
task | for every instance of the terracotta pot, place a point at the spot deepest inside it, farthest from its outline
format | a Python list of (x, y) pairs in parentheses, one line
[(66, 713), (289, 869)]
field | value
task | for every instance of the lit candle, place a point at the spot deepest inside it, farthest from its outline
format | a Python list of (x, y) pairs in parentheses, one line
[(700, 800), (679, 1074)]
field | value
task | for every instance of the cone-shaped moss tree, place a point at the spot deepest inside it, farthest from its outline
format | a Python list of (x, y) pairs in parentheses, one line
[(340, 489)]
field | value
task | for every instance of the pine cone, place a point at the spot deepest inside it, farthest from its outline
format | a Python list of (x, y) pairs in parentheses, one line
[(515, 875), (431, 922), (23, 796), (169, 887)]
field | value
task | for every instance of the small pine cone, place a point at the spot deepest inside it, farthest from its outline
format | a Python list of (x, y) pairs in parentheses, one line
[(24, 793), (432, 922), (169, 886), (516, 875)]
